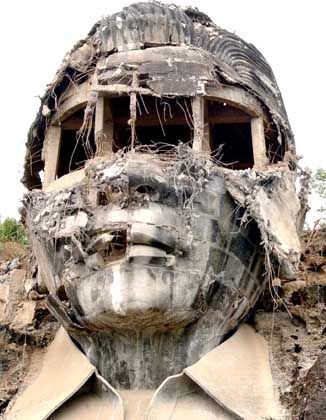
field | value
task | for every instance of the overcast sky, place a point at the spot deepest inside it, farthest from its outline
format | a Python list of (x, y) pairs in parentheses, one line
[(36, 34)]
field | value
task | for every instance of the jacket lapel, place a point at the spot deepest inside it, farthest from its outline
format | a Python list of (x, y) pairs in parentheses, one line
[(237, 375), (63, 372)]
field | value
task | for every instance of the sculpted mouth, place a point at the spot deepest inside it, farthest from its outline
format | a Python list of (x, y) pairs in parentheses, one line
[(138, 243), (145, 254), (108, 246)]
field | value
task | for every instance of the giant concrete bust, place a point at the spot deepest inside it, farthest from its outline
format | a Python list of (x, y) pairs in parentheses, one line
[(161, 171)]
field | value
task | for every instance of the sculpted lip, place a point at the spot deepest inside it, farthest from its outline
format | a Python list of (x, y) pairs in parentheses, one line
[(139, 243), (152, 235), (149, 255)]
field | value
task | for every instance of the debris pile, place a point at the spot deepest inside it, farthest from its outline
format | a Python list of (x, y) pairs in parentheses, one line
[(294, 324), (26, 326)]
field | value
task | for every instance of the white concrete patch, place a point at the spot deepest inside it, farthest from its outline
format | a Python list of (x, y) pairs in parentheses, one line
[(112, 172), (116, 291)]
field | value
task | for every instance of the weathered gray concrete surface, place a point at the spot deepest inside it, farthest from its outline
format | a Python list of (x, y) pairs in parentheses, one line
[(168, 205)]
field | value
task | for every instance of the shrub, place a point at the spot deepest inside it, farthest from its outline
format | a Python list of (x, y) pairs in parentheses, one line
[(12, 231)]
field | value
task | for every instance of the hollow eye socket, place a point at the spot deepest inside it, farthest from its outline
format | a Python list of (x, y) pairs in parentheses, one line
[(145, 189)]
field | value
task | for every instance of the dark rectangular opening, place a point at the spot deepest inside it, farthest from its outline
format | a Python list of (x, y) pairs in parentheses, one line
[(230, 135), (275, 150), (164, 122), (75, 147), (231, 144), (120, 109), (160, 123), (102, 199), (154, 136)]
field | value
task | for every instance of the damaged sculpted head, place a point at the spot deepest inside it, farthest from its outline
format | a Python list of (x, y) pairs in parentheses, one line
[(161, 173)]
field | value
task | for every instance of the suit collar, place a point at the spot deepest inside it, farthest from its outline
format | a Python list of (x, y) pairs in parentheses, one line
[(236, 374), (243, 358)]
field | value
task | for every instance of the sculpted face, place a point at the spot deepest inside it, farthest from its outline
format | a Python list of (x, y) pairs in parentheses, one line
[(158, 245)]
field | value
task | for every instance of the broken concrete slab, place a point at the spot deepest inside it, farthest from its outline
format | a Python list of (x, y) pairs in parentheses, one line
[(4, 299), (24, 315)]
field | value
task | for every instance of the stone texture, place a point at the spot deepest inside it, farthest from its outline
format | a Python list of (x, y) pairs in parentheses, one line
[(310, 400)]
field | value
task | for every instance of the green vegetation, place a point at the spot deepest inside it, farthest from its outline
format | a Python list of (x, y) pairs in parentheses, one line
[(319, 188), (12, 231), (319, 182)]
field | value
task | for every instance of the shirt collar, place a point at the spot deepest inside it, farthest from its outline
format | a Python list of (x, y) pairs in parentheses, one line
[(61, 374), (243, 358)]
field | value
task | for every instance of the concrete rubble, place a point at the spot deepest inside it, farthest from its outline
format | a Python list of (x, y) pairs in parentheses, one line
[(26, 328), (263, 197)]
